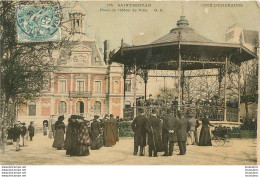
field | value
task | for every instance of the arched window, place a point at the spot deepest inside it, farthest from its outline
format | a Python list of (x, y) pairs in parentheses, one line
[(62, 108), (128, 104), (80, 107), (116, 87), (32, 109), (97, 108)]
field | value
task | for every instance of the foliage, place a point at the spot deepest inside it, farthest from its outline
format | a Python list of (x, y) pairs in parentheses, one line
[(125, 129), (24, 66)]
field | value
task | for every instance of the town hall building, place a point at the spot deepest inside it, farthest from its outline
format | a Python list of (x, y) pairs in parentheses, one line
[(85, 84)]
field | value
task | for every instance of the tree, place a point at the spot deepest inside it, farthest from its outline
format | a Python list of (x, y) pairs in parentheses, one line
[(248, 82)]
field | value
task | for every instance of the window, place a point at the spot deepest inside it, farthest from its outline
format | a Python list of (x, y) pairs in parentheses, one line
[(45, 85), (80, 107), (97, 88), (80, 86), (97, 108), (32, 109), (62, 86), (62, 108), (116, 87), (128, 85)]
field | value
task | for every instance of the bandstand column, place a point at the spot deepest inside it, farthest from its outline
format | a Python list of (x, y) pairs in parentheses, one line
[(225, 90), (124, 77), (219, 82), (239, 93), (145, 83), (134, 88), (179, 78)]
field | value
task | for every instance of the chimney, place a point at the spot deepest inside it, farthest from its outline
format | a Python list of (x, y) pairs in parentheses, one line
[(106, 50)]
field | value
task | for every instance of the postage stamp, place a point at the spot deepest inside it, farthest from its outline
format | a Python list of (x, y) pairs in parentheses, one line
[(38, 23)]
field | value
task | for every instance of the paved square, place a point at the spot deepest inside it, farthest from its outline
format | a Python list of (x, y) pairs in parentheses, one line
[(40, 152)]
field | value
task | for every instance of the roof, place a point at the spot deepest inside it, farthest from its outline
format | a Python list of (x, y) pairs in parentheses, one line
[(196, 51), (77, 9), (251, 37), (182, 33)]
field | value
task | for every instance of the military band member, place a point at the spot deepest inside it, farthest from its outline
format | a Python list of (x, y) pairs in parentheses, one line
[(170, 124), (154, 134), (139, 127)]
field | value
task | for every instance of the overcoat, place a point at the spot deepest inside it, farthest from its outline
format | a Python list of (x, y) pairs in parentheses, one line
[(31, 130), (96, 135), (170, 123), (154, 133), (140, 127), (16, 133), (183, 127), (111, 132)]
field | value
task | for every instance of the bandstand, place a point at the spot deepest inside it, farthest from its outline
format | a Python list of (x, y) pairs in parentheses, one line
[(180, 50)]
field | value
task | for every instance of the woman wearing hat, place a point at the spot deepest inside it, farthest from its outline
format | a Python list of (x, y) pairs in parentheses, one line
[(96, 134), (205, 139), (59, 133)]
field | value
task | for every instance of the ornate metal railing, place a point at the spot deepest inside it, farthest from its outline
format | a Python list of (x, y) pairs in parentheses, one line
[(214, 113), (80, 94)]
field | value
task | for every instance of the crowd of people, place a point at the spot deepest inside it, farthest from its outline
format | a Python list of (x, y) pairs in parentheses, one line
[(19, 134), (164, 131), (213, 107), (82, 135)]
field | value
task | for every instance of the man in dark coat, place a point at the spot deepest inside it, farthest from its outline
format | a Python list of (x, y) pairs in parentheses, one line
[(23, 132), (182, 129), (16, 135), (170, 124), (96, 134), (31, 131), (154, 134), (139, 127)]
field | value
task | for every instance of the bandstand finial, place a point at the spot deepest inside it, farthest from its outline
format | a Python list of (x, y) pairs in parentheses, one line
[(182, 22)]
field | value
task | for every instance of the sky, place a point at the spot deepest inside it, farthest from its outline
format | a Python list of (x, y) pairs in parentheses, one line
[(144, 27)]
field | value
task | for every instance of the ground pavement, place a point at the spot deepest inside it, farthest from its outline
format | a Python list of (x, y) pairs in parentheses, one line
[(40, 152)]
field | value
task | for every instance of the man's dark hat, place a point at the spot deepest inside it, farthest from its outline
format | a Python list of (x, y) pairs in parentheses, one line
[(61, 118), (96, 116), (74, 116), (80, 117), (111, 115)]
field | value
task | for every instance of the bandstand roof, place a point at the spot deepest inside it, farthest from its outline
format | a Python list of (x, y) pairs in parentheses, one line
[(197, 52)]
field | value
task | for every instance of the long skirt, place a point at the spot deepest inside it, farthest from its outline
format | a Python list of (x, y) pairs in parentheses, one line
[(59, 139), (72, 145), (96, 143), (83, 150), (205, 139)]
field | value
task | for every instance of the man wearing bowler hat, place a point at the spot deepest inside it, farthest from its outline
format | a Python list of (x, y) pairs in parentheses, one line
[(140, 127)]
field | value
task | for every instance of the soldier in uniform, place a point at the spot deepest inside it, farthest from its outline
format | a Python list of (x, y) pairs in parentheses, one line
[(140, 127), (170, 124), (154, 134)]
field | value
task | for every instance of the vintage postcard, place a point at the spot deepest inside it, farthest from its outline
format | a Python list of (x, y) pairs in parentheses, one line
[(129, 82)]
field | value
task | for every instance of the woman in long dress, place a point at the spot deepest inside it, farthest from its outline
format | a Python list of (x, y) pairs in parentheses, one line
[(84, 139), (59, 133), (205, 139)]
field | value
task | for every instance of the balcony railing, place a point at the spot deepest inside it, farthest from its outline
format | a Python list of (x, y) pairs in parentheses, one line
[(80, 94)]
